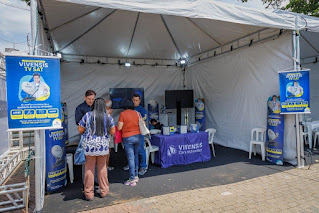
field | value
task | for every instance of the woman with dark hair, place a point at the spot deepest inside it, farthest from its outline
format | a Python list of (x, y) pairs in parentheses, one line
[(94, 126), (131, 135)]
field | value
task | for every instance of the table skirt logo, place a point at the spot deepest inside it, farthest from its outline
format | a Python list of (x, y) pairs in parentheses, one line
[(171, 150)]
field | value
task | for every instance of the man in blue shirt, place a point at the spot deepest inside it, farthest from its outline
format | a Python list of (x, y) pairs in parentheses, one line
[(141, 152), (85, 107)]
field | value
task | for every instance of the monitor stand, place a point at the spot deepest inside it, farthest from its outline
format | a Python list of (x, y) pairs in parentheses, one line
[(178, 113)]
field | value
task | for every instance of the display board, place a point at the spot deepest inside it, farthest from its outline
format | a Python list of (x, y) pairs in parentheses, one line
[(33, 92), (294, 92), (119, 95)]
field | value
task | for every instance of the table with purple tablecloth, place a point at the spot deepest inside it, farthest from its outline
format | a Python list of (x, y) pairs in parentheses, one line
[(181, 149)]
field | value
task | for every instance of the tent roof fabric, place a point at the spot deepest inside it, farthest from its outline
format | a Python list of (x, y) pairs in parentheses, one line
[(166, 30)]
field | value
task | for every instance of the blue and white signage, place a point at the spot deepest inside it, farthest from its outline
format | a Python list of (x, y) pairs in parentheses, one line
[(294, 92), (33, 92)]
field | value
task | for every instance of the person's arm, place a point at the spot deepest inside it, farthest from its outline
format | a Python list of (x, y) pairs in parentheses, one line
[(78, 115), (82, 124), (112, 131), (112, 125), (121, 122), (120, 125)]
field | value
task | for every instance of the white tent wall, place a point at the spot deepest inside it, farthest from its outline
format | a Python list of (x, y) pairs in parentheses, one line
[(314, 88), (76, 78), (236, 87)]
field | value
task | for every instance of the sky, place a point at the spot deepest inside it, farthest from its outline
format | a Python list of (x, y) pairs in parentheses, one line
[(15, 22)]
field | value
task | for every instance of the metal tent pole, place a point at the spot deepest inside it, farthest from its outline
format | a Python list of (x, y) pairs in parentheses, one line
[(37, 140), (302, 154), (37, 169), (296, 56)]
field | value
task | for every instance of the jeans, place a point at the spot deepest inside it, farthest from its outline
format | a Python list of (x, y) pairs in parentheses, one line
[(142, 153), (131, 146)]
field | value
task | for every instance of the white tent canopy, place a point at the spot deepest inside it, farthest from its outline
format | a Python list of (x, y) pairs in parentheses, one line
[(167, 30), (233, 54)]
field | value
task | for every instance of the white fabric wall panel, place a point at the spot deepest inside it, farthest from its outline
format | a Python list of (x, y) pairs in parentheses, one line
[(76, 78), (236, 87), (314, 88)]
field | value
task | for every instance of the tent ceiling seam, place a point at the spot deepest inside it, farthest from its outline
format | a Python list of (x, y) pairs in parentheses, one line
[(129, 48), (165, 59), (233, 41), (75, 19), (108, 15), (206, 33), (208, 57), (46, 26), (309, 43), (170, 34)]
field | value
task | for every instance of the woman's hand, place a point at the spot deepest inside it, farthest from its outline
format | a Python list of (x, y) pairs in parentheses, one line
[(81, 129)]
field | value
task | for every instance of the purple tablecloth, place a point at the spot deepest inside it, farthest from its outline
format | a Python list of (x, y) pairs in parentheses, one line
[(180, 149)]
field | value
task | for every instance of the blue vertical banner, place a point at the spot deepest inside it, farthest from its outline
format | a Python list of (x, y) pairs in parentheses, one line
[(275, 132), (33, 92), (153, 112), (200, 114), (294, 92), (55, 160)]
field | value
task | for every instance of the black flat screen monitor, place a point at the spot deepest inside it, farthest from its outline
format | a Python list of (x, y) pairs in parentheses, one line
[(118, 95), (179, 99)]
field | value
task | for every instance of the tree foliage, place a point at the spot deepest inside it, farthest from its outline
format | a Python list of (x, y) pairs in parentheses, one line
[(307, 7), (27, 1)]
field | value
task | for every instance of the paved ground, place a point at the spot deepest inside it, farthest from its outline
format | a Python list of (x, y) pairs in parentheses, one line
[(295, 190), (230, 166)]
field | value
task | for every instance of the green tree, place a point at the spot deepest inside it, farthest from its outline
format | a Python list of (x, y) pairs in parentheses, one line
[(307, 7), (27, 1)]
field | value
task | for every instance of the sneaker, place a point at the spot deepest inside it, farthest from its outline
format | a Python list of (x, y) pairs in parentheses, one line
[(130, 182), (126, 168), (136, 179), (110, 168), (142, 171)]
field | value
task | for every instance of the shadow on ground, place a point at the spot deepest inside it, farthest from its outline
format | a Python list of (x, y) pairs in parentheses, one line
[(229, 166)]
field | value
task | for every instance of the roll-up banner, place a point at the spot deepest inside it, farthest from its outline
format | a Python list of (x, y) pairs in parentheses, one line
[(55, 160), (200, 114), (275, 131), (294, 92), (33, 92)]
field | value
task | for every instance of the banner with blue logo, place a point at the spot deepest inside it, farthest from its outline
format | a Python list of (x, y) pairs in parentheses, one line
[(33, 92), (275, 131), (294, 92), (181, 149), (200, 114), (55, 160)]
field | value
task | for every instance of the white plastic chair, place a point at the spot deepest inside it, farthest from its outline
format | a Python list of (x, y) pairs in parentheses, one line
[(211, 133), (315, 138), (150, 149), (258, 137), (69, 160), (304, 134)]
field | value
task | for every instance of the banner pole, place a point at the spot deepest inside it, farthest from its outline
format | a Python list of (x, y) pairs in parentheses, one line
[(302, 154), (37, 171), (296, 57)]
